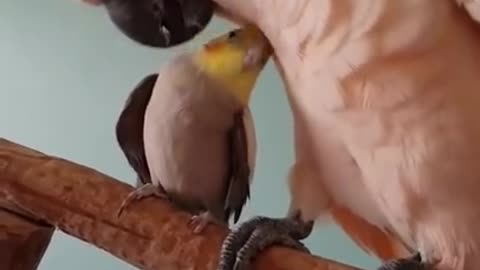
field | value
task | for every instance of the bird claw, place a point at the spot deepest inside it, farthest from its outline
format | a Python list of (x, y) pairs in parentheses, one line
[(411, 263), (243, 244), (201, 221), (140, 193)]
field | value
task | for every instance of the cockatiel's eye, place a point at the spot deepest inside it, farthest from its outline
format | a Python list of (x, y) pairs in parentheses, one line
[(232, 34)]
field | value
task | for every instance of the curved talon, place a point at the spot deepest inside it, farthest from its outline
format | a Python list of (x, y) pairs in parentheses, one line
[(140, 193), (201, 221), (125, 204)]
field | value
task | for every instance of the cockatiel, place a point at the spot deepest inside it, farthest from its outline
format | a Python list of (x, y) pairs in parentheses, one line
[(385, 99), (188, 131)]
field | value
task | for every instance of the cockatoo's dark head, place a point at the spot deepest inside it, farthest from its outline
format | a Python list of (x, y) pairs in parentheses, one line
[(159, 23)]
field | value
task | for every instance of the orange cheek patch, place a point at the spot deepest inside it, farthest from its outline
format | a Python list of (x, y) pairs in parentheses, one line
[(213, 47)]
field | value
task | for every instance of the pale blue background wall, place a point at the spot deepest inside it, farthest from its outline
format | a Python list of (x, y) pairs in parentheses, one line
[(64, 75)]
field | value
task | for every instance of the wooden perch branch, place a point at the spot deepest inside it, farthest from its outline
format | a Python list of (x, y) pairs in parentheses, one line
[(23, 241), (82, 202)]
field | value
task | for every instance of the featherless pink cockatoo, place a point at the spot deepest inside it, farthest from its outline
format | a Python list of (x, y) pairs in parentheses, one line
[(385, 97)]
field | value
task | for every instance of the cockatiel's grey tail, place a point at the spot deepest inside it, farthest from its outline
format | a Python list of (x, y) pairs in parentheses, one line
[(188, 132)]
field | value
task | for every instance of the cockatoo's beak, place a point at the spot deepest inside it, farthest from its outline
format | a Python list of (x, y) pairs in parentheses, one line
[(159, 23)]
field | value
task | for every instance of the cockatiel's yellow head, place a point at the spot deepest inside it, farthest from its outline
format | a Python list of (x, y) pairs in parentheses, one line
[(235, 59)]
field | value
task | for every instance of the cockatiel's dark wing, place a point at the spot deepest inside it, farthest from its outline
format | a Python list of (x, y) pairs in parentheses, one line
[(129, 127), (243, 149)]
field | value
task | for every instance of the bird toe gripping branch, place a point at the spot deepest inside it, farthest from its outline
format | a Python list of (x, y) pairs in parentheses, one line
[(245, 243)]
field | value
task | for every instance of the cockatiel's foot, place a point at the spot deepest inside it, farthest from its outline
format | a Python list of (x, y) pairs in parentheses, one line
[(144, 191), (411, 263), (201, 221), (244, 243)]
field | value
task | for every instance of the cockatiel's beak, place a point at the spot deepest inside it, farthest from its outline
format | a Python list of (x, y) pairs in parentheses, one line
[(159, 23)]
